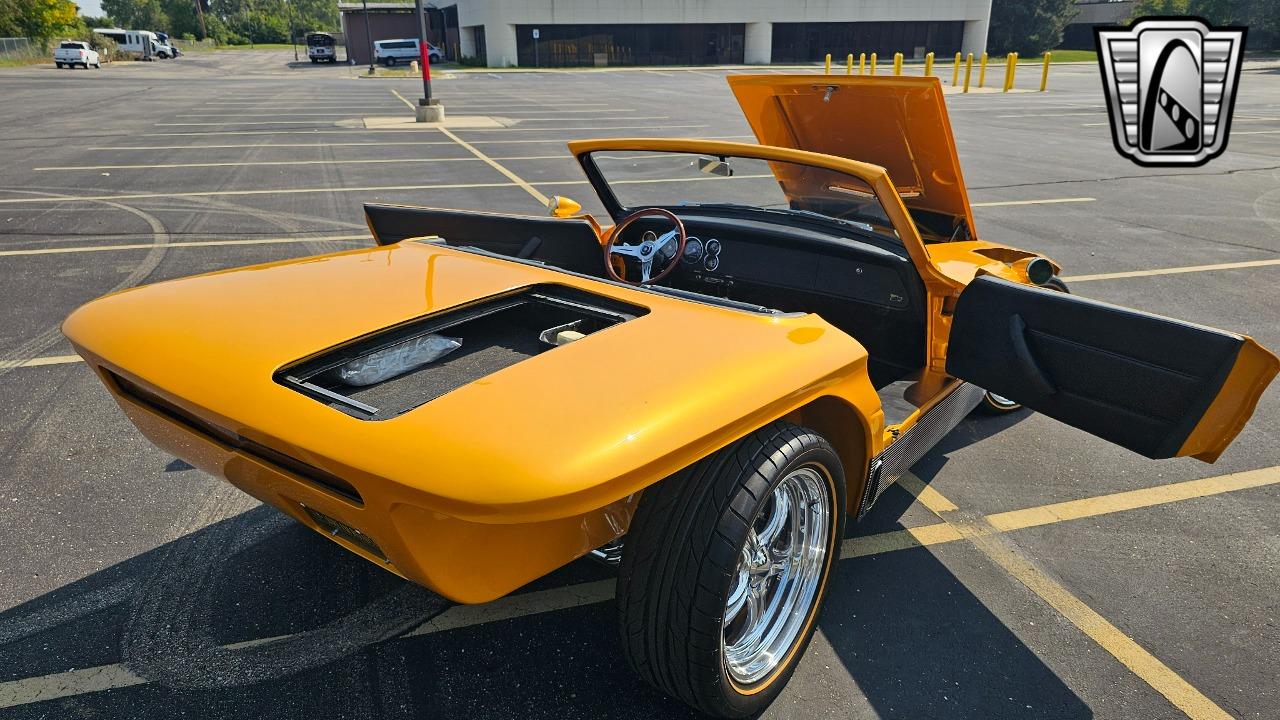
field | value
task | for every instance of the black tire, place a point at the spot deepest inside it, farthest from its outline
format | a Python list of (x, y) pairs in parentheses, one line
[(996, 405), (391, 62), (59, 65), (315, 61), (682, 556)]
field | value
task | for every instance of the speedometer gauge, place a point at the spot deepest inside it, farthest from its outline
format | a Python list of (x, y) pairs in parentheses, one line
[(692, 249)]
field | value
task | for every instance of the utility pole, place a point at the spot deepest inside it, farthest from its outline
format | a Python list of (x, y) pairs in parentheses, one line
[(368, 38), (293, 34), (200, 15)]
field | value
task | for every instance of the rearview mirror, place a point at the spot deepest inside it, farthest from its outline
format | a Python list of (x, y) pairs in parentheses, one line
[(562, 207), (715, 166)]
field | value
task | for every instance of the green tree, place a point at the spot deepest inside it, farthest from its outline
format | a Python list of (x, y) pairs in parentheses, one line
[(1028, 26), (1262, 17), (40, 20)]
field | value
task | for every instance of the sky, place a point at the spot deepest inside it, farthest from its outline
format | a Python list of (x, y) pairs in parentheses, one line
[(92, 8)]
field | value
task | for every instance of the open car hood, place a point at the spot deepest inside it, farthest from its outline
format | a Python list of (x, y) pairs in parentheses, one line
[(679, 378), (898, 123)]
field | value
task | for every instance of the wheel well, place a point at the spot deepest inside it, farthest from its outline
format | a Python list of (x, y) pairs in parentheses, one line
[(846, 429)]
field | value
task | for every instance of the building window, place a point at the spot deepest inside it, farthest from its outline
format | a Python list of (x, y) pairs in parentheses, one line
[(809, 42), (648, 44)]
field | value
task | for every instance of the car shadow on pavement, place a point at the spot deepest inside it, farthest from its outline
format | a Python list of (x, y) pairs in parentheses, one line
[(183, 626)]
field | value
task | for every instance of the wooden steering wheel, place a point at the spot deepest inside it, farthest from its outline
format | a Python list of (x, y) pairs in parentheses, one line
[(648, 251)]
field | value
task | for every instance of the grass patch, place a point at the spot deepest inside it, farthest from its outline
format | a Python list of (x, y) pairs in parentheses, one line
[(260, 46)]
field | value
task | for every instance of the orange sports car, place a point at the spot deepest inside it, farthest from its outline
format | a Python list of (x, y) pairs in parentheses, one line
[(758, 342)]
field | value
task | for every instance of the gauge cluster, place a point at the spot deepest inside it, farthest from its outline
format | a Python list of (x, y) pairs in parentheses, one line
[(704, 253)]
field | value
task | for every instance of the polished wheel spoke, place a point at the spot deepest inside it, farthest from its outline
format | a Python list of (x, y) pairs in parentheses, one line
[(779, 571)]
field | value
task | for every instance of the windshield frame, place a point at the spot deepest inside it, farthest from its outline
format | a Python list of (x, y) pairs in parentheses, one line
[(874, 176)]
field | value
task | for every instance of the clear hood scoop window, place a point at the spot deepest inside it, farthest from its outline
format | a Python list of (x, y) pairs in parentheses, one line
[(397, 359), (392, 371)]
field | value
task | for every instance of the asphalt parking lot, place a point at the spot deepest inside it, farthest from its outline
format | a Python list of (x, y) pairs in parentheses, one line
[(1027, 570)]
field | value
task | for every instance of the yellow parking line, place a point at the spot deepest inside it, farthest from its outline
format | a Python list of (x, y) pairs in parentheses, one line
[(1138, 659), (1046, 201), (1132, 499), (542, 199), (192, 243), (985, 534), (37, 362), (106, 677), (1173, 271)]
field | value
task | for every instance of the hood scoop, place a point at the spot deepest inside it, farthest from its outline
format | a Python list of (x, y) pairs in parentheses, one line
[(477, 340)]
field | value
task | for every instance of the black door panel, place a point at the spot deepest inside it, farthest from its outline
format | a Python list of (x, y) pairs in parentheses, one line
[(569, 243), (1139, 380)]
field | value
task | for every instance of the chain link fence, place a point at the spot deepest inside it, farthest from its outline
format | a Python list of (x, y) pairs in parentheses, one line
[(14, 46)]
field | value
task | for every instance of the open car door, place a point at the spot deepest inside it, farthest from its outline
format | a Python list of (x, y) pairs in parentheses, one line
[(1158, 386)]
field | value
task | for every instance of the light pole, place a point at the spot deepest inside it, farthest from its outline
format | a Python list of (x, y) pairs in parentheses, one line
[(428, 109), (426, 54)]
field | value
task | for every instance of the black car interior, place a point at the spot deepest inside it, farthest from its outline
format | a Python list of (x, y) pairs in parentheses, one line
[(862, 283)]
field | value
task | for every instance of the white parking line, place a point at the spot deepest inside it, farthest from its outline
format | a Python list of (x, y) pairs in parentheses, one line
[(258, 122), (190, 243), (555, 141), (1044, 201)]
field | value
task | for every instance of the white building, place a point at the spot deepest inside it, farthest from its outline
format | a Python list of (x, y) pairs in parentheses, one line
[(697, 32)]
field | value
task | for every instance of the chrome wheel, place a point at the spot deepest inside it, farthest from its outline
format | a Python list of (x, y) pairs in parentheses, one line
[(1000, 402), (778, 576)]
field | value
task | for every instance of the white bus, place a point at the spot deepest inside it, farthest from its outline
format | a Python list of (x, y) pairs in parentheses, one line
[(143, 43)]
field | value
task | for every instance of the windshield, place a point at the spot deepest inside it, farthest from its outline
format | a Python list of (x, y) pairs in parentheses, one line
[(650, 178)]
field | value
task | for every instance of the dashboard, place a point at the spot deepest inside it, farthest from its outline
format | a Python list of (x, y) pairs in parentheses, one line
[(740, 259)]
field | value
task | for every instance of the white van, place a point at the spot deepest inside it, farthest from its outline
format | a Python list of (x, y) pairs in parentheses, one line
[(390, 52), (142, 43)]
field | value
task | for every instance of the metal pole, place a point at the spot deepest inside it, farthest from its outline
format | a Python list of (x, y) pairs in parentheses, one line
[(293, 34), (422, 48), (368, 38)]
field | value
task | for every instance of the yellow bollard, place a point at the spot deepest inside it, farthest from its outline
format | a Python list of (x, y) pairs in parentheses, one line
[(1044, 74), (827, 69), (873, 63), (982, 70), (897, 63), (1013, 71), (955, 73), (862, 63), (968, 70), (928, 64), (848, 65), (1008, 61)]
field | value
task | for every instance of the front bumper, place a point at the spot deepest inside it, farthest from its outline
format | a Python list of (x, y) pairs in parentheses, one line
[(465, 561)]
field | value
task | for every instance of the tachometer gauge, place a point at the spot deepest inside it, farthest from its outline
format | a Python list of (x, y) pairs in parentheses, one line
[(648, 236), (692, 249), (713, 247)]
